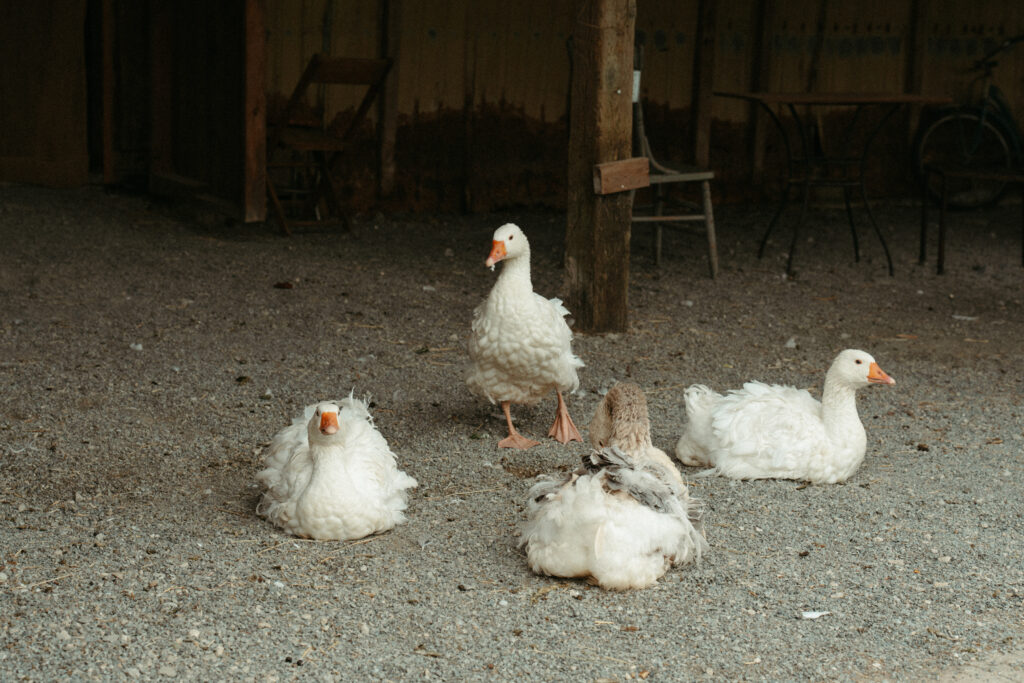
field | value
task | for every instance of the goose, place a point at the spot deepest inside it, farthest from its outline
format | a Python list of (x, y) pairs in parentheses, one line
[(771, 431), (520, 348), (621, 419), (331, 476), (621, 519)]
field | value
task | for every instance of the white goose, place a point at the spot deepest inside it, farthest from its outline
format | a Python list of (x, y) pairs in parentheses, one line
[(623, 518), (331, 476), (770, 431), (521, 346)]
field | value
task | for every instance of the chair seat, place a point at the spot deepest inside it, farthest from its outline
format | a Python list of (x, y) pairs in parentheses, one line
[(312, 139), (682, 176), (996, 173)]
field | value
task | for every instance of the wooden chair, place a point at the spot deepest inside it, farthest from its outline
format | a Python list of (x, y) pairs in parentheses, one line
[(661, 175), (308, 150)]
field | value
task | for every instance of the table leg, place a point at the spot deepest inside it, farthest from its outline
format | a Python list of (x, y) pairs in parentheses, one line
[(942, 225), (874, 224), (774, 220), (922, 249), (853, 227), (796, 228)]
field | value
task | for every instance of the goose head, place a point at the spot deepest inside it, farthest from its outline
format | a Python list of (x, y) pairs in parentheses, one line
[(508, 242), (323, 425), (858, 369)]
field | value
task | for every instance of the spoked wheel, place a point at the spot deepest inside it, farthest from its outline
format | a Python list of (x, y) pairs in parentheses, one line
[(965, 138)]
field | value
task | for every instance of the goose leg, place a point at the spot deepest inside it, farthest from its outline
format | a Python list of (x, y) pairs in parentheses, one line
[(514, 438), (563, 428)]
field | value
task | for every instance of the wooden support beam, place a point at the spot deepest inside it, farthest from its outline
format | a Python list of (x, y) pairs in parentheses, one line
[(254, 182), (703, 81), (387, 124), (107, 38), (161, 13), (600, 130), (917, 44), (620, 176), (761, 79)]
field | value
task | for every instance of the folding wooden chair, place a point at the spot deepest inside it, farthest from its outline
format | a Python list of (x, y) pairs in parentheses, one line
[(308, 150), (661, 175)]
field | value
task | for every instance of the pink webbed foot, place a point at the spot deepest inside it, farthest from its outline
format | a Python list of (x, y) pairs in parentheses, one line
[(563, 428), (514, 438)]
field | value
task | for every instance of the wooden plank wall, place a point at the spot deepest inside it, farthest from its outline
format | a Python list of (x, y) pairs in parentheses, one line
[(483, 89)]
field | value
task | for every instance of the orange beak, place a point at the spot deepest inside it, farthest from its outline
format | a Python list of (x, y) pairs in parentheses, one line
[(876, 375), (497, 253), (328, 423)]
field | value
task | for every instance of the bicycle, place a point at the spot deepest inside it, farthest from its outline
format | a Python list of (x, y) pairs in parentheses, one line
[(983, 136)]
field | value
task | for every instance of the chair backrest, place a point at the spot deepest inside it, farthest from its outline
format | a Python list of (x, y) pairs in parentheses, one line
[(335, 71), (641, 145)]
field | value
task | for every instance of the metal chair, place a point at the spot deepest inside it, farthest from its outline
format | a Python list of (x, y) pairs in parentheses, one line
[(950, 171)]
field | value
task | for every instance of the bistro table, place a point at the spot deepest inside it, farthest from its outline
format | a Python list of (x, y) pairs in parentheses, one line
[(813, 166)]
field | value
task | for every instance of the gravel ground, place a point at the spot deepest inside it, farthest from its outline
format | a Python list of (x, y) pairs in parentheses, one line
[(146, 357)]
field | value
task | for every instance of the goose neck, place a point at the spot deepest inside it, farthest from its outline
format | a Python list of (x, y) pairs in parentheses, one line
[(839, 409), (516, 272)]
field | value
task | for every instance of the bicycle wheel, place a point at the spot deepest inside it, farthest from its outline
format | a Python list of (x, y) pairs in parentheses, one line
[(965, 138)]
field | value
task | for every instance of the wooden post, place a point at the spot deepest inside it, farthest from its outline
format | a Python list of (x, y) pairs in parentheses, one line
[(107, 21), (761, 79), (161, 13), (600, 130), (254, 190), (703, 82), (391, 29), (915, 56)]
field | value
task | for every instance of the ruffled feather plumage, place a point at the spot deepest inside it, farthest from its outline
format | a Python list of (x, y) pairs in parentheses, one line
[(332, 485), (520, 347), (624, 517), (772, 431)]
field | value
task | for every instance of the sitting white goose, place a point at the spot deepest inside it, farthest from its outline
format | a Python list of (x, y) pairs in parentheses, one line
[(521, 346), (623, 518), (770, 431), (331, 476)]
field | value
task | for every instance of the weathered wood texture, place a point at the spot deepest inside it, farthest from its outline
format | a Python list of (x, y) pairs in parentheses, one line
[(703, 82), (43, 133), (600, 130), (390, 48), (621, 176), (254, 125)]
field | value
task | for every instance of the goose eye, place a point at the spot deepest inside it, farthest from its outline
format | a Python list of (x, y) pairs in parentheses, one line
[(858, 361), (511, 237)]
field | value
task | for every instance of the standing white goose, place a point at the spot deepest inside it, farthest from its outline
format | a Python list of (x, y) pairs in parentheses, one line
[(770, 431), (331, 476), (623, 518), (521, 346)]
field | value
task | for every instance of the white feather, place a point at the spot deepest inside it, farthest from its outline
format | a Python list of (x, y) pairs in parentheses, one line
[(520, 347), (623, 518), (344, 485), (773, 431)]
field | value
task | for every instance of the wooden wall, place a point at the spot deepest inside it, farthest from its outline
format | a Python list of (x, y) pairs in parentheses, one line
[(43, 100), (482, 92), (481, 85)]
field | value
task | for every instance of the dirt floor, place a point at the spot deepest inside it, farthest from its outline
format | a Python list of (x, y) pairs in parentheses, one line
[(147, 356)]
